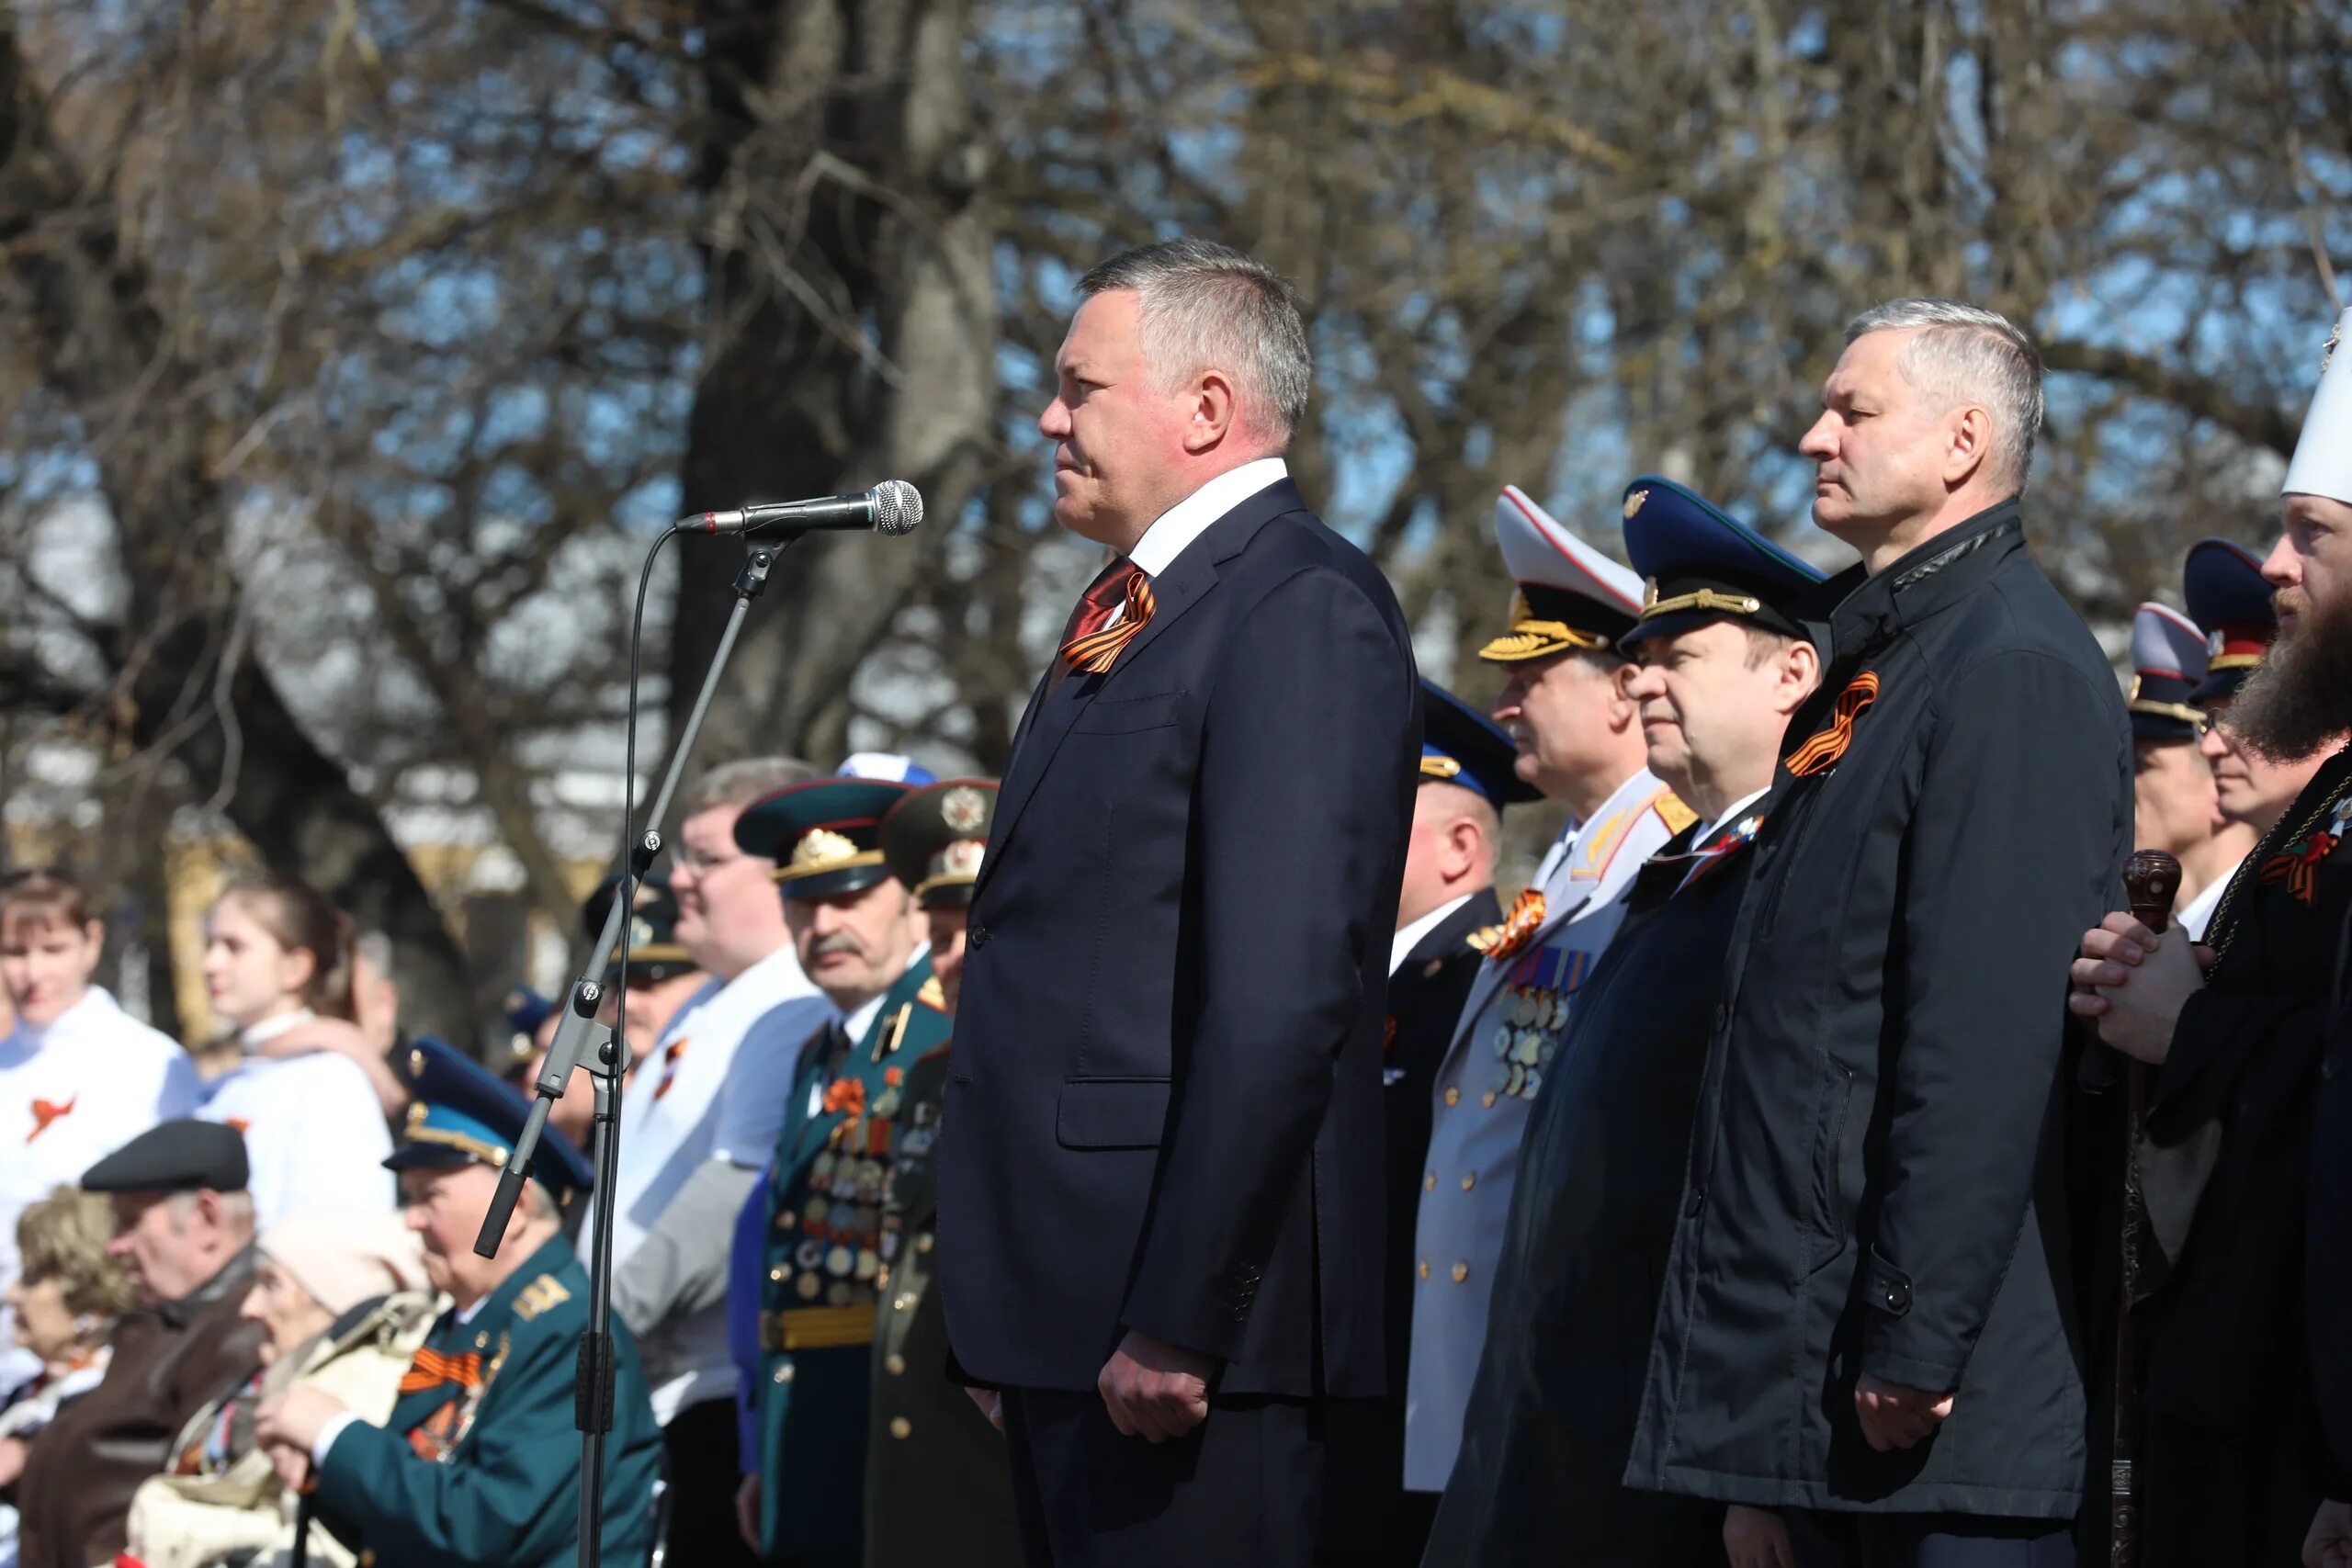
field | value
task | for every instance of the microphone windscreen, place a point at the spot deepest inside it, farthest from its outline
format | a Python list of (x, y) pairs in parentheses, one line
[(898, 507)]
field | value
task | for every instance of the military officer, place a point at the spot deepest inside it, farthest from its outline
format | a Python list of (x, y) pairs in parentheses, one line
[(662, 976), (936, 1486), (2236, 1034), (2173, 804), (1724, 658), (1580, 741), (1467, 776), (480, 1462), (814, 1264)]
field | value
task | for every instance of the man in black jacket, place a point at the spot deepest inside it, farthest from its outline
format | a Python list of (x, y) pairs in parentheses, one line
[(1860, 1323), (1722, 661), (1159, 1201), (1467, 776), (2244, 1108)]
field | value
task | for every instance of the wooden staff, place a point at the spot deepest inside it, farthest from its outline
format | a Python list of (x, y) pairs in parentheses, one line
[(2151, 879)]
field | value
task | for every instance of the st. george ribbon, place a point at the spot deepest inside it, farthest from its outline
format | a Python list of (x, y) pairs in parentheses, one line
[(893, 506)]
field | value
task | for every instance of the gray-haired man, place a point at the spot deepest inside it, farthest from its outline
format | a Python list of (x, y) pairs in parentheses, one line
[(1160, 1187), (1860, 1322)]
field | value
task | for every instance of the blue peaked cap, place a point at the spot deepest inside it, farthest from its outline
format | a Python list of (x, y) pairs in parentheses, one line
[(1698, 563)]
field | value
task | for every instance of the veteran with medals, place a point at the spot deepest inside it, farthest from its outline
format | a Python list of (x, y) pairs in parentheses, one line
[(1580, 741), (2244, 1127), (809, 1279), (479, 1464), (936, 1486), (1722, 659)]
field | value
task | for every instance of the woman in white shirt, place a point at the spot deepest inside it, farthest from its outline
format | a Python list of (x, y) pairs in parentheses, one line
[(79, 1077), (277, 962)]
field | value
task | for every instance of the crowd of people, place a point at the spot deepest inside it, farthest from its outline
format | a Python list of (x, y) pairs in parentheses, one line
[(1179, 1153)]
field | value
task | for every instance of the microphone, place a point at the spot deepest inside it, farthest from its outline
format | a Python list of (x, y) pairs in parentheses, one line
[(894, 506)]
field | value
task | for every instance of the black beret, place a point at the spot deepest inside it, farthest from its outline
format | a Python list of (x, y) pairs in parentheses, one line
[(175, 1157)]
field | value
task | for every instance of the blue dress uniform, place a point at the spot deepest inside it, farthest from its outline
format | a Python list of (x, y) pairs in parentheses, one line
[(2168, 663), (479, 1461), (1552, 1415), (818, 1270)]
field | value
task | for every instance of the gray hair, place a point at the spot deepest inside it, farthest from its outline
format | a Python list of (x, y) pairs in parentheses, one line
[(1206, 306), (743, 781), (1967, 354)]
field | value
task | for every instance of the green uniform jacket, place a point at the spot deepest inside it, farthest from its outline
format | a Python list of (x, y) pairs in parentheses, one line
[(937, 1489), (479, 1463), (825, 1275)]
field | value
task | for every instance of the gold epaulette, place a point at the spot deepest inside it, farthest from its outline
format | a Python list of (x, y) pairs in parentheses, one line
[(1676, 815), (537, 1296)]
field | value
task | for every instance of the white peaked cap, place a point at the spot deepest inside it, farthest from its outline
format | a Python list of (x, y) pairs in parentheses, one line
[(2322, 461)]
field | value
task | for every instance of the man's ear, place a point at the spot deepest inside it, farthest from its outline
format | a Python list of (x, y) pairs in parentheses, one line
[(1212, 412), (1800, 673), (1622, 709), (1969, 447)]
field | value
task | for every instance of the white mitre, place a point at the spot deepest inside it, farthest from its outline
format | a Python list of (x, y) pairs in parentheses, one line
[(2322, 461)]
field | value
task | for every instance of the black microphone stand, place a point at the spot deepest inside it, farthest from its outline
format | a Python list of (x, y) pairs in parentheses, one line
[(580, 1040)]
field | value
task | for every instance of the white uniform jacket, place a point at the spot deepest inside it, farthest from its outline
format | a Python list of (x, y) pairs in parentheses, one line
[(1516, 1009)]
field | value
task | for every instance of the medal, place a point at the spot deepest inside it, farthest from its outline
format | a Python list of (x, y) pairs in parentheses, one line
[(838, 1261), (1534, 1081), (808, 1255), (809, 1285), (868, 1261), (1523, 1009), (1516, 1082), (837, 1294), (821, 1167), (1502, 1040), (814, 1214)]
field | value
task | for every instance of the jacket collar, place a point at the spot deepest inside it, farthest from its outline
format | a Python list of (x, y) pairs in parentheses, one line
[(233, 1279), (552, 1254), (1872, 609), (1056, 704)]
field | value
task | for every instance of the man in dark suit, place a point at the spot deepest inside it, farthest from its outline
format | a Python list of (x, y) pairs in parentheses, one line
[(1466, 778), (1160, 1227)]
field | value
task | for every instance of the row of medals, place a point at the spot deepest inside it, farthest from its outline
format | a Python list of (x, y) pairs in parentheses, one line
[(1524, 1045), (841, 1261)]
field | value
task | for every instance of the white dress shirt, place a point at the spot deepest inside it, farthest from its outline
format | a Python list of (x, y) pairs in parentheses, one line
[(2198, 913), (1409, 937)]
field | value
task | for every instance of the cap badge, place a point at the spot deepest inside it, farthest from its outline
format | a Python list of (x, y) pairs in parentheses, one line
[(1649, 589), (1633, 504), (640, 933), (963, 810), (961, 858), (821, 847)]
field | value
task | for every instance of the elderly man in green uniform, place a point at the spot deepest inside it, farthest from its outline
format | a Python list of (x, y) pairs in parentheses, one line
[(815, 1264), (936, 1489), (479, 1463)]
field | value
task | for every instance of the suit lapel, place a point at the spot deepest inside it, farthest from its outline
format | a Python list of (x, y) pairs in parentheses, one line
[(1058, 706)]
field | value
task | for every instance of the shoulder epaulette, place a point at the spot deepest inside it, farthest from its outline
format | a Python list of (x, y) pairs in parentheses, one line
[(537, 1296), (1671, 810)]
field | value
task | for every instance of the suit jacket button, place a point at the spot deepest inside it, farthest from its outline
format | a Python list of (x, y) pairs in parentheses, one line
[(1454, 1097), (1469, 1181), (1425, 1268), (1692, 1204), (900, 1427), (1461, 1272), (976, 938)]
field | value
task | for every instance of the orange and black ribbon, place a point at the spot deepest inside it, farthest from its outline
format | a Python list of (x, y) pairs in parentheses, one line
[(1096, 646), (2298, 866), (1823, 751), (670, 1054), (430, 1369), (1519, 927)]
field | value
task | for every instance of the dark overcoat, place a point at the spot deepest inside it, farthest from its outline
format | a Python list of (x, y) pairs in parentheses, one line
[(1871, 1188), (2226, 1460), (1540, 1479)]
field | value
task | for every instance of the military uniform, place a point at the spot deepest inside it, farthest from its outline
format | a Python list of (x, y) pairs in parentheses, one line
[(1571, 598), (937, 1488), (2168, 663), (479, 1463), (1368, 1516), (818, 1272), (1540, 1480)]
